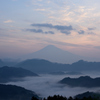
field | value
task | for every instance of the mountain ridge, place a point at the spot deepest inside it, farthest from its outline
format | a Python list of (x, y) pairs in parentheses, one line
[(44, 66), (40, 65), (82, 81)]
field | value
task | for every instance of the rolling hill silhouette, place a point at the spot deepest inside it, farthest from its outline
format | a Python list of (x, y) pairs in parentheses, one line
[(8, 74), (83, 81), (44, 66), (41, 65)]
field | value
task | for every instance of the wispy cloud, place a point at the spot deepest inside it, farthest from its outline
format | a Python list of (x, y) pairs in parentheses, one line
[(92, 33), (65, 32), (49, 32), (91, 28), (58, 27), (34, 30), (8, 21), (63, 29), (81, 32), (40, 9), (39, 31), (69, 11)]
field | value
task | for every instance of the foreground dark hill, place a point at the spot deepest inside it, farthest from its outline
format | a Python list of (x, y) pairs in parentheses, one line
[(11, 74), (44, 66), (83, 81), (54, 54), (12, 92), (92, 95), (83, 96)]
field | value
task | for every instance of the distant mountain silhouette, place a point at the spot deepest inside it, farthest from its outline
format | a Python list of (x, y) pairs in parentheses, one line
[(13, 74), (54, 54), (83, 81), (82, 65), (44, 66), (12, 92), (41, 66)]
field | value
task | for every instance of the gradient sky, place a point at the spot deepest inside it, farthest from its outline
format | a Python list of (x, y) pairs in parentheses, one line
[(29, 25)]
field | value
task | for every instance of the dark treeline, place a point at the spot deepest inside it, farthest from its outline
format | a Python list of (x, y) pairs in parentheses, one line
[(58, 97)]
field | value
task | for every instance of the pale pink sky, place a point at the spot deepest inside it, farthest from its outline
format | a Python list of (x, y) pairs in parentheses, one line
[(29, 25)]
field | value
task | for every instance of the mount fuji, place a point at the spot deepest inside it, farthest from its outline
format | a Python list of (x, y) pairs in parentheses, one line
[(54, 54)]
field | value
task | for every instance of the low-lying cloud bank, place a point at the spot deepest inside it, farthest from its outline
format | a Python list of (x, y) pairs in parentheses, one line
[(47, 85)]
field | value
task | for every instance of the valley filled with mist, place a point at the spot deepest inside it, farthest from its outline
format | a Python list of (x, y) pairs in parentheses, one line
[(47, 78)]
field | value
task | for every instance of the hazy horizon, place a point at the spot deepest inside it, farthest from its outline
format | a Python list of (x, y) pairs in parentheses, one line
[(53, 54)]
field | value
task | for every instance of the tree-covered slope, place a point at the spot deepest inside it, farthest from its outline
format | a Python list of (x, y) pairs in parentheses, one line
[(12, 92), (11, 73), (83, 81)]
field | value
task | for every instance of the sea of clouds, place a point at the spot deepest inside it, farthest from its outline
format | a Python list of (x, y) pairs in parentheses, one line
[(46, 85)]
